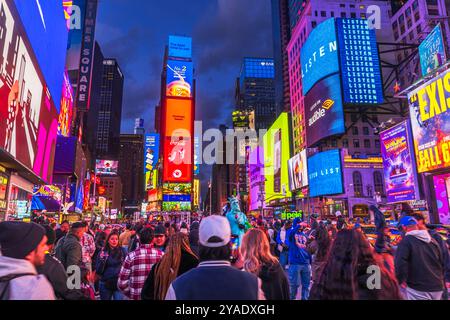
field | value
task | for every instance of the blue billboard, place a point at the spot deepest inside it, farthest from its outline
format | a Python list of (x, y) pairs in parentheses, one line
[(325, 174), (324, 110), (432, 51), (179, 78), (177, 198), (360, 63), (180, 47), (76, 26), (258, 68), (319, 54), (151, 158), (46, 28)]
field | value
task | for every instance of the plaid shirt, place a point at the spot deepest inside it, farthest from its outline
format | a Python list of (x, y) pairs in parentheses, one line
[(135, 269)]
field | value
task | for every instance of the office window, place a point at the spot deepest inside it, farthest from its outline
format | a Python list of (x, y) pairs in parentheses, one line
[(345, 143), (417, 16), (357, 184), (366, 143), (408, 12), (355, 143), (315, 13), (343, 15), (377, 144), (323, 14), (378, 182), (332, 13), (352, 6), (363, 15), (342, 5), (313, 24), (419, 29), (355, 131), (415, 4), (366, 131), (353, 15)]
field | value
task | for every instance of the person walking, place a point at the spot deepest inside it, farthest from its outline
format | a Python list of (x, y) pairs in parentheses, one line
[(137, 266), (160, 238), (177, 260), (23, 246), (258, 259), (88, 247), (282, 242), (108, 267), (419, 264), (62, 230), (125, 237), (215, 278), (319, 247), (69, 250)]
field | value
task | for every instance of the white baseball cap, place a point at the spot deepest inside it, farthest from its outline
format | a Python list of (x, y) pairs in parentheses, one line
[(214, 226)]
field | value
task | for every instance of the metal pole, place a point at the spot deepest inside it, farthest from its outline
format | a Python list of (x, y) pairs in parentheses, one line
[(210, 196)]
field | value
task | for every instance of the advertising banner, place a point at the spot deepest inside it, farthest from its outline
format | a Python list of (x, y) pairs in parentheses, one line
[(178, 160), (180, 47), (66, 109), (298, 171), (176, 197), (256, 178), (325, 174), (176, 206), (196, 199), (151, 158), (177, 188), (28, 115), (76, 20), (398, 162), (197, 155), (180, 75), (324, 110), (178, 120), (432, 51), (319, 54), (360, 62), (106, 167), (430, 123)]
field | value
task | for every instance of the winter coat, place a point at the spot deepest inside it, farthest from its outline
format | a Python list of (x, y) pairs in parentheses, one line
[(274, 282), (30, 286), (109, 263)]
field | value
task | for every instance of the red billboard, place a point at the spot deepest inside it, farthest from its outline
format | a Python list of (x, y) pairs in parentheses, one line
[(178, 159), (66, 110), (28, 116)]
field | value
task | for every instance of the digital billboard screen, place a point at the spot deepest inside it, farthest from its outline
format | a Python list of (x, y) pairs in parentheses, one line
[(28, 115), (178, 119), (177, 188), (151, 158), (106, 167), (256, 177), (276, 155), (319, 54), (177, 166), (298, 171), (180, 47), (432, 51), (176, 206), (180, 75), (324, 111), (46, 28), (360, 62), (196, 200), (398, 163), (325, 174), (197, 155), (77, 14), (66, 109), (430, 123), (177, 197)]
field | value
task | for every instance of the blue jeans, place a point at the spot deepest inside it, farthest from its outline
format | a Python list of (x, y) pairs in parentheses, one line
[(106, 294), (284, 259), (299, 274)]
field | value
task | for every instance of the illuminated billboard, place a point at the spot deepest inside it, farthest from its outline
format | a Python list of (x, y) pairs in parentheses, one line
[(319, 54), (197, 155), (178, 119), (176, 206), (180, 75), (180, 47), (177, 188), (106, 167), (276, 155), (398, 164), (151, 158), (196, 199), (28, 115), (324, 111), (45, 26), (66, 109), (298, 171), (360, 63), (256, 178), (432, 51), (77, 13), (176, 197), (177, 166), (325, 174), (430, 117)]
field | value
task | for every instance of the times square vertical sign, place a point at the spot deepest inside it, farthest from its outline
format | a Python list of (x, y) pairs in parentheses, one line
[(86, 57)]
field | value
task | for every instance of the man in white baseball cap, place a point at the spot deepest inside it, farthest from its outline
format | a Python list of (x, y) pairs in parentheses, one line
[(215, 278)]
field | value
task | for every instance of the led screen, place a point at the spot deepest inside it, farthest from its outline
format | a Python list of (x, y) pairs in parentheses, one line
[(179, 120), (177, 188), (177, 197), (196, 199), (432, 51), (28, 115), (176, 206), (179, 79), (319, 54), (325, 174), (180, 47), (324, 110), (360, 63), (256, 178), (66, 109), (197, 155), (298, 171), (76, 26), (177, 159), (398, 163), (151, 158), (106, 167), (430, 123)]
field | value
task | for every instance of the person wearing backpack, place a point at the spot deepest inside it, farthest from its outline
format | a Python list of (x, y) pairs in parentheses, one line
[(23, 246)]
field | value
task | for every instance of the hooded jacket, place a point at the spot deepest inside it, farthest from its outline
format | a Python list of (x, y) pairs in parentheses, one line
[(27, 287), (275, 284), (418, 262)]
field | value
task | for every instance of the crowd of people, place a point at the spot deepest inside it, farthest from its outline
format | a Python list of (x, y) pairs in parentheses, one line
[(273, 260)]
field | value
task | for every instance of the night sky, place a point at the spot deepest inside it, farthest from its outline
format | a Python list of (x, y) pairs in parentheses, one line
[(223, 31)]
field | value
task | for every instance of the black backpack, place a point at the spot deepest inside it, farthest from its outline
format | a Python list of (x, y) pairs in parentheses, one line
[(5, 281)]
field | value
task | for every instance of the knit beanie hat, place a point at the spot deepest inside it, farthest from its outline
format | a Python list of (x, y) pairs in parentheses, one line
[(18, 239)]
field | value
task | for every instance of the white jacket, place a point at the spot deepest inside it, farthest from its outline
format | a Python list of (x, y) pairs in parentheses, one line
[(32, 287)]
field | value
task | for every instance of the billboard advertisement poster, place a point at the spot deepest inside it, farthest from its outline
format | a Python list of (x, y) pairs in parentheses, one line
[(151, 158), (442, 192), (178, 119), (177, 197), (176, 206), (196, 199), (298, 171), (197, 155), (180, 75), (398, 163), (276, 155), (319, 54), (360, 62), (46, 29), (325, 174), (28, 115), (177, 188), (324, 110), (432, 51), (256, 178), (106, 167), (180, 47), (178, 159), (77, 12), (430, 123), (66, 109)]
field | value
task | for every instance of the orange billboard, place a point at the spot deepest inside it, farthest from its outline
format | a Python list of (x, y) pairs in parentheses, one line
[(178, 119)]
